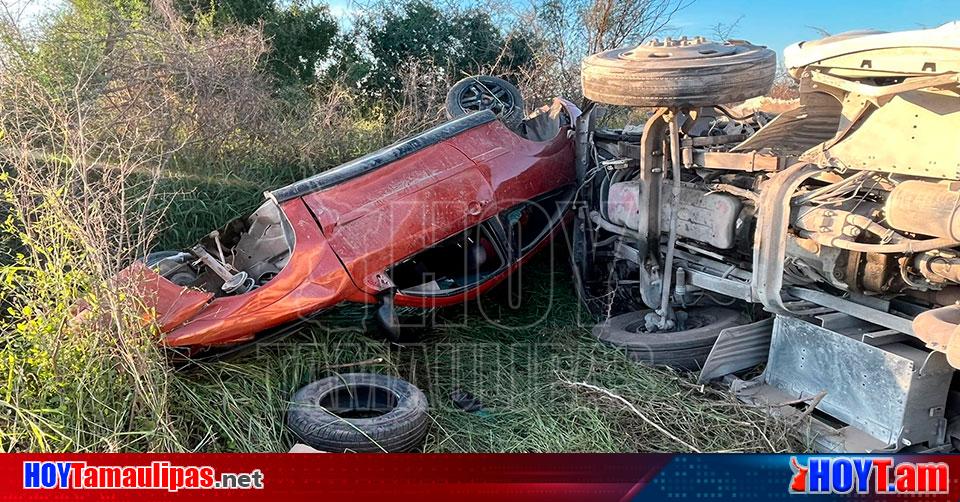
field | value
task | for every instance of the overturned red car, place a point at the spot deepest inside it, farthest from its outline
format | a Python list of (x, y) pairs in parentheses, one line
[(430, 221)]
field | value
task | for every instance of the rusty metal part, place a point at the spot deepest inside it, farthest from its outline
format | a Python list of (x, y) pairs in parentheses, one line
[(840, 229), (664, 310), (703, 215), (877, 92), (823, 222), (925, 208), (585, 124), (735, 190), (232, 283), (738, 348), (773, 219), (651, 175), (748, 162), (795, 131), (816, 262), (938, 267), (722, 139), (609, 226), (940, 329), (946, 296), (880, 272), (860, 311), (908, 246), (648, 228)]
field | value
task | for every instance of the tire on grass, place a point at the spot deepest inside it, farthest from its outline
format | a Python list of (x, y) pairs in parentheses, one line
[(359, 412)]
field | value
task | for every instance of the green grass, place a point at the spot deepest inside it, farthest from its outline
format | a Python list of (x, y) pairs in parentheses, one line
[(522, 364), (516, 363)]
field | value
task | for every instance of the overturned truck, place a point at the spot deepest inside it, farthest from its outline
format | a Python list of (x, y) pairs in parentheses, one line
[(840, 217)]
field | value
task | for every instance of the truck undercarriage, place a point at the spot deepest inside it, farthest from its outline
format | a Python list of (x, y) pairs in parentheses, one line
[(840, 218)]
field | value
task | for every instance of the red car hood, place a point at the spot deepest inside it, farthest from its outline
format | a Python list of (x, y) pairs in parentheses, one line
[(165, 303)]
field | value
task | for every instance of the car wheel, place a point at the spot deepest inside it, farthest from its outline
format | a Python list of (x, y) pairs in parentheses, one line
[(360, 412), (686, 348), (485, 92), (169, 264), (152, 259), (679, 73)]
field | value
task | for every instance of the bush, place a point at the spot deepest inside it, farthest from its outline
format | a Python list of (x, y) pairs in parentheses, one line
[(145, 130), (416, 38), (85, 140), (300, 32), (125, 127)]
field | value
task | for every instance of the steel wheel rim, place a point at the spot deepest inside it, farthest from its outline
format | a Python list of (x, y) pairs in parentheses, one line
[(696, 320), (485, 96)]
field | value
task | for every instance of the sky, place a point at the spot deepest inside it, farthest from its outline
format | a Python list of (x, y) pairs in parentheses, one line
[(778, 23), (774, 23)]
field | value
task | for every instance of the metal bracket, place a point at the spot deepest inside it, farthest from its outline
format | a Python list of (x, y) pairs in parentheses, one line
[(773, 217)]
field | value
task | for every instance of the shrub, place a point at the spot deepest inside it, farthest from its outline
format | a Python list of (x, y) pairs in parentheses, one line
[(300, 32), (81, 154)]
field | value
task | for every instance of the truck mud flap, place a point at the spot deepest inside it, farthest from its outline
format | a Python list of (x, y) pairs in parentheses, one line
[(738, 348)]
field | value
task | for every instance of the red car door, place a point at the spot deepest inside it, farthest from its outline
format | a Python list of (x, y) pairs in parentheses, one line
[(377, 220), (420, 215)]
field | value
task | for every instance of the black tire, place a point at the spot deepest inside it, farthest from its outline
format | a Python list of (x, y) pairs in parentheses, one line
[(687, 349), (486, 92), (697, 73), (152, 259), (165, 262), (331, 414)]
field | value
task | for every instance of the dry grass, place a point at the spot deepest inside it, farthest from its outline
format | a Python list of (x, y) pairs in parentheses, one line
[(518, 363), (114, 143)]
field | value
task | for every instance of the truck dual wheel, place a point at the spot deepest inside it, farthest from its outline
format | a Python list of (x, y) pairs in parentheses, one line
[(686, 348), (679, 73)]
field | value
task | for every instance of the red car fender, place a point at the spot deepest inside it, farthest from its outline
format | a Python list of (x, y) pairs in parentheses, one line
[(164, 303), (314, 279)]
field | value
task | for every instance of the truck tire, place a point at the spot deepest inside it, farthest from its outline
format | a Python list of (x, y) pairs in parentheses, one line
[(486, 92), (679, 74), (359, 412), (685, 349)]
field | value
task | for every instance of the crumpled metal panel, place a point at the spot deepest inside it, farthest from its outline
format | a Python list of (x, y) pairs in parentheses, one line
[(795, 131), (880, 390), (913, 134), (738, 348)]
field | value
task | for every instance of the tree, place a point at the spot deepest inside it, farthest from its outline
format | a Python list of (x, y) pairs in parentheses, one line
[(723, 31), (573, 29), (615, 23), (301, 32), (449, 43)]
